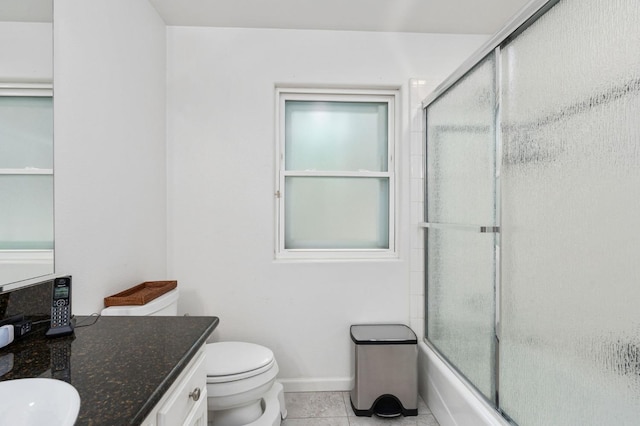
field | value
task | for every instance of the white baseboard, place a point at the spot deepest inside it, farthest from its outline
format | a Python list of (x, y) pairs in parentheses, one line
[(330, 384)]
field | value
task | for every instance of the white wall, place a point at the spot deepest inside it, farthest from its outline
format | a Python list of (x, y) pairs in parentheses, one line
[(220, 109), (110, 174), (27, 52)]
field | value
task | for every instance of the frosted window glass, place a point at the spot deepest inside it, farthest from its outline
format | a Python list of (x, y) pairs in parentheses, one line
[(337, 136), (26, 132), (460, 306), (336, 213), (26, 212), (461, 150), (570, 334)]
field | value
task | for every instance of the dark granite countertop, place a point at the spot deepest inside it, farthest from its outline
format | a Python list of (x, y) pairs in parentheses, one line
[(121, 366)]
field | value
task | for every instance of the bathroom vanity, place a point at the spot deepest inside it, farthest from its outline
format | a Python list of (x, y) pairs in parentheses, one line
[(127, 370)]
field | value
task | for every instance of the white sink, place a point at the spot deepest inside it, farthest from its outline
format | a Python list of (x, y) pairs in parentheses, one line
[(28, 402)]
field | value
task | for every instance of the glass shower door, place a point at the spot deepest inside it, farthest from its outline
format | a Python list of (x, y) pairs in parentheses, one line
[(460, 206), (570, 329)]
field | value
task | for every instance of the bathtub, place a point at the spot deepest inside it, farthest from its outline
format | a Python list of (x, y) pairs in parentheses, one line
[(452, 401)]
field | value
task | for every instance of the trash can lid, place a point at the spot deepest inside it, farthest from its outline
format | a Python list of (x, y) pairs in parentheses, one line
[(382, 334)]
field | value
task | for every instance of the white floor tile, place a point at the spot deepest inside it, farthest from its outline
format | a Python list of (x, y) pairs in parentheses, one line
[(314, 404), (334, 409), (317, 421)]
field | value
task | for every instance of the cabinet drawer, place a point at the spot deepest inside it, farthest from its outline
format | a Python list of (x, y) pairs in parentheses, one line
[(190, 393)]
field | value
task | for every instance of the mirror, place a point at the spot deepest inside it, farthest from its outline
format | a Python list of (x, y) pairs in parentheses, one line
[(26, 140)]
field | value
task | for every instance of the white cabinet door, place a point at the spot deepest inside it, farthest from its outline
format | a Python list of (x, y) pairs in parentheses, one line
[(189, 394), (198, 414), (185, 403)]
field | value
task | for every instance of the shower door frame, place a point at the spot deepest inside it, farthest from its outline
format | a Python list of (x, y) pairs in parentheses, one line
[(471, 228), (516, 25)]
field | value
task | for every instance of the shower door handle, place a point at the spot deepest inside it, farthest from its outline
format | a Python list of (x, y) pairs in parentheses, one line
[(482, 229)]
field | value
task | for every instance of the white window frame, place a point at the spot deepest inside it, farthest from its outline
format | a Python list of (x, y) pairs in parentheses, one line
[(389, 96), (31, 90)]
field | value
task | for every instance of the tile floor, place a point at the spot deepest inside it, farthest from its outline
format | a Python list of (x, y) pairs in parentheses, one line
[(334, 409)]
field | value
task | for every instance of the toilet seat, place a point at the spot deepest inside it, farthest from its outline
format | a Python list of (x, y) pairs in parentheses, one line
[(231, 361), (240, 376)]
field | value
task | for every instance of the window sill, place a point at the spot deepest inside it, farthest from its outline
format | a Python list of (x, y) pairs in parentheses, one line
[(328, 256)]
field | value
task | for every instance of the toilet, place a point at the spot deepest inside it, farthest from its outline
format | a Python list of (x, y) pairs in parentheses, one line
[(241, 377)]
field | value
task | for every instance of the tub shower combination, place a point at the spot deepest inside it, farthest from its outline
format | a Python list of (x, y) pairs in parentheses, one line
[(532, 230)]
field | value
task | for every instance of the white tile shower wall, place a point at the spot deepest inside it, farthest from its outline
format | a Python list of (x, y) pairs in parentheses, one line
[(418, 90)]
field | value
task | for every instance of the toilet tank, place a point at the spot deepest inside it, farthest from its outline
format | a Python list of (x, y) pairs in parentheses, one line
[(165, 305)]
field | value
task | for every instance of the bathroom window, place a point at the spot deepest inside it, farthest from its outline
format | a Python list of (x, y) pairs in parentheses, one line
[(336, 176), (26, 167)]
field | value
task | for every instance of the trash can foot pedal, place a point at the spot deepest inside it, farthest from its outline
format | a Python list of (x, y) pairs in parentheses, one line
[(386, 406)]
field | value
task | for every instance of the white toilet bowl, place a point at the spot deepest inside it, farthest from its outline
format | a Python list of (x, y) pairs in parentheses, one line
[(242, 389), (239, 374)]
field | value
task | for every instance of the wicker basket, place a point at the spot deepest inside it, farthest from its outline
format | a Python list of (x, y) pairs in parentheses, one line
[(140, 294)]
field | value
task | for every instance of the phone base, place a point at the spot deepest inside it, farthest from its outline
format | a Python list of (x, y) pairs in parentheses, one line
[(59, 331)]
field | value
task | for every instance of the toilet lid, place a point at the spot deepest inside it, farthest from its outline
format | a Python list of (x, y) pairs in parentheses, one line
[(233, 358)]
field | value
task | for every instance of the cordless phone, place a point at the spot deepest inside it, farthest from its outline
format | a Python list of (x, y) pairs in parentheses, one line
[(61, 308)]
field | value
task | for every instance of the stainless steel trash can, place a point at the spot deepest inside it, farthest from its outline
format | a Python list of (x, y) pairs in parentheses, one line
[(386, 370)]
